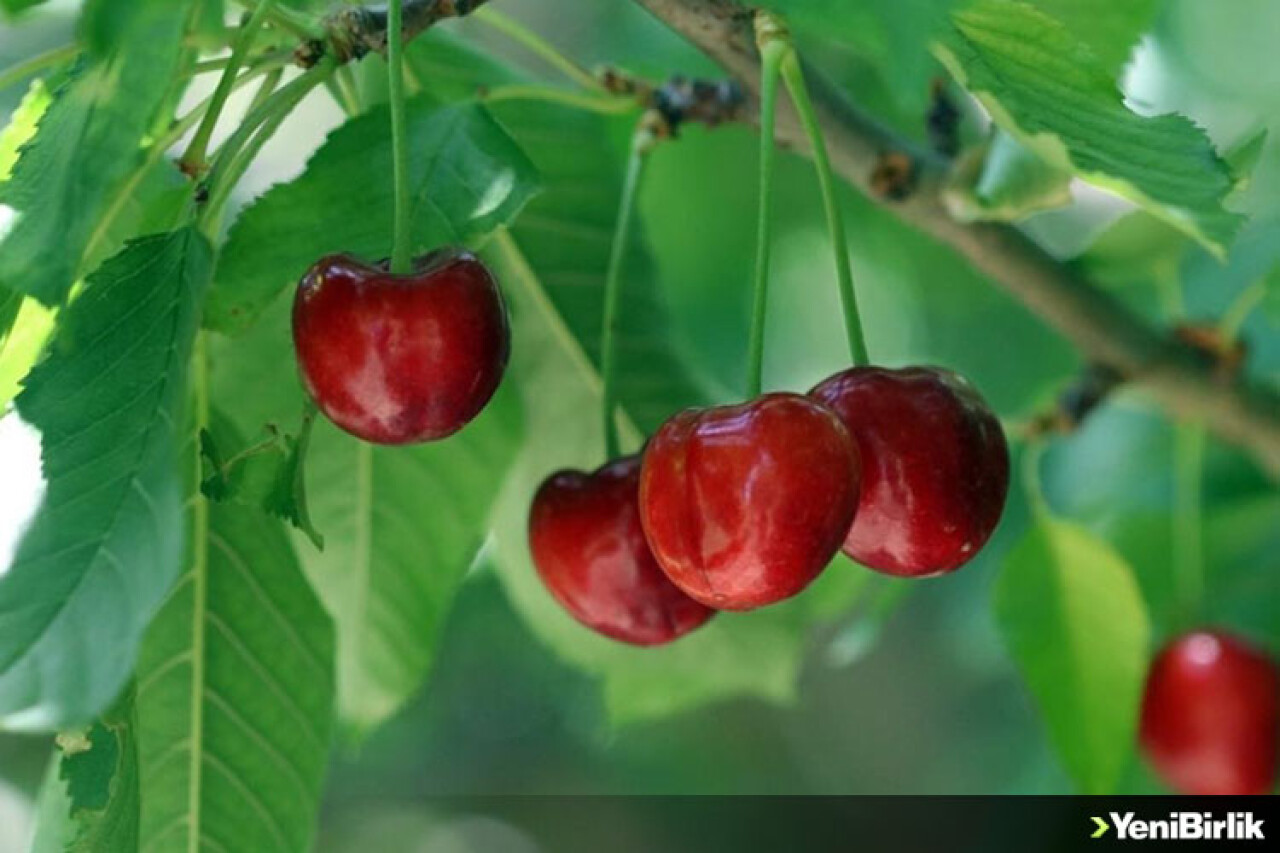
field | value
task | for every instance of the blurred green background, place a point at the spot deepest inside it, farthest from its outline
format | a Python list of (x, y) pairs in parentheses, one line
[(928, 701)]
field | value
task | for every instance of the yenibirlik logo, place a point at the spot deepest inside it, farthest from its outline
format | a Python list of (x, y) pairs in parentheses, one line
[(1182, 826)]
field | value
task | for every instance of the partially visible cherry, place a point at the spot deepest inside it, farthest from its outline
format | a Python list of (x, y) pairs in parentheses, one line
[(935, 467), (589, 548), (745, 505), (1209, 715), (395, 359)]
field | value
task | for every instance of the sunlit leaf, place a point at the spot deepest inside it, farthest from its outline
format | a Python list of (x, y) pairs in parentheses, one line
[(87, 142), (1043, 86), (1075, 622)]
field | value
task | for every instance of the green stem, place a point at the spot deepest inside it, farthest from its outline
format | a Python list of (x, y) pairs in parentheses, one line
[(537, 45), (1188, 518), (346, 80), (269, 84), (193, 161), (36, 64), (402, 247), (793, 76), (601, 104), (180, 128), (640, 144), (237, 153), (773, 52)]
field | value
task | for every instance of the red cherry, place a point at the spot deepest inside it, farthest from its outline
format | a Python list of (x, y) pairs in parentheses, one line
[(589, 548), (395, 359), (1209, 715), (935, 467), (745, 505)]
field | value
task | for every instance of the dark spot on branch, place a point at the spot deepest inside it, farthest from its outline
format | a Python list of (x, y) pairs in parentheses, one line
[(894, 176)]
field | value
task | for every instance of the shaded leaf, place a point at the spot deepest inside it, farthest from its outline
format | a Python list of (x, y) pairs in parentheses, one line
[(1075, 623), (234, 702), (1045, 88), (106, 543)]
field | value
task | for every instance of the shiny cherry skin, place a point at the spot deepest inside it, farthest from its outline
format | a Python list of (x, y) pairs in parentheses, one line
[(397, 359), (935, 467), (745, 505), (1209, 715), (589, 549)]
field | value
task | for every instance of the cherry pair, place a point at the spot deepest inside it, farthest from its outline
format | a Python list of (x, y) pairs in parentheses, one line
[(740, 506), (1210, 714)]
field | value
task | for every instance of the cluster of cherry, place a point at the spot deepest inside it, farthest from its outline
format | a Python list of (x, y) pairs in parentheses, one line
[(735, 507)]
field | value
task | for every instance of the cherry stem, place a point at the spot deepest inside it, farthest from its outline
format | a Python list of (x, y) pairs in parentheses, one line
[(402, 247), (641, 142), (1188, 518), (793, 76), (538, 46), (237, 153), (773, 51), (193, 161)]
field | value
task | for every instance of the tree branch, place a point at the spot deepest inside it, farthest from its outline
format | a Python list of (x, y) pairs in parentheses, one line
[(1106, 332), (357, 31)]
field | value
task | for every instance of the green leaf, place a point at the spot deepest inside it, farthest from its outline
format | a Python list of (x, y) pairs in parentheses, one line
[(467, 179), (1045, 88), (268, 475), (565, 236), (106, 543), (402, 524), (1075, 622), (234, 703), (1109, 28), (88, 141), (22, 126)]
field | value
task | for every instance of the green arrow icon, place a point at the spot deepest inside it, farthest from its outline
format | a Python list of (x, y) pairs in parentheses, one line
[(1102, 828)]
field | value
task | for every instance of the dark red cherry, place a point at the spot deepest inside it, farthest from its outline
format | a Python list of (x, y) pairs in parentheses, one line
[(935, 467), (1209, 715), (395, 359), (586, 540), (745, 505)]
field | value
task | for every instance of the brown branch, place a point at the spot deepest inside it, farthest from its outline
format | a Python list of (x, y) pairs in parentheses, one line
[(1104, 331), (355, 32)]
